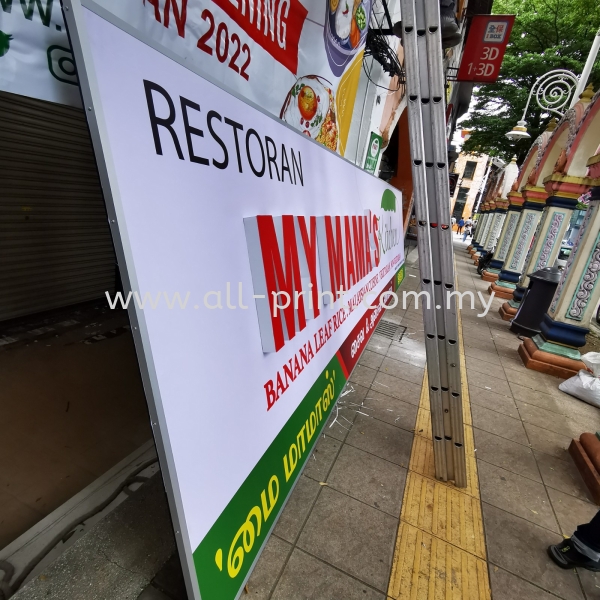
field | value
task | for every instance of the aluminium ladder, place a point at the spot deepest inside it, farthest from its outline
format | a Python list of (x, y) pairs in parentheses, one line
[(421, 39)]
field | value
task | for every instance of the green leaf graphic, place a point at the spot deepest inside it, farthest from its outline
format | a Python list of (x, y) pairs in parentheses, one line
[(388, 201)]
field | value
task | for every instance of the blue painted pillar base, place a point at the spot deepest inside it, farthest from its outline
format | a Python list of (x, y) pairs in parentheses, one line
[(509, 277), (519, 293), (555, 350), (560, 333)]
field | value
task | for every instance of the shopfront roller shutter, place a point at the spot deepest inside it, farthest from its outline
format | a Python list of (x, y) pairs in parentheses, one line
[(55, 245)]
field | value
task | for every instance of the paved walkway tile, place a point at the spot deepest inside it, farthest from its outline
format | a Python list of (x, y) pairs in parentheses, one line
[(352, 536), (370, 479), (517, 545), (308, 577), (507, 586)]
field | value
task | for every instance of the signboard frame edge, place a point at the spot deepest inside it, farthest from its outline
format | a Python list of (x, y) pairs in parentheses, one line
[(73, 16)]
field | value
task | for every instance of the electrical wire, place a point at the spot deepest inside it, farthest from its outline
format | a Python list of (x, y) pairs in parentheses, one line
[(378, 47)]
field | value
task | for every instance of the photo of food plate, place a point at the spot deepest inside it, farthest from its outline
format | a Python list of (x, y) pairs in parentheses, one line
[(309, 107), (346, 26)]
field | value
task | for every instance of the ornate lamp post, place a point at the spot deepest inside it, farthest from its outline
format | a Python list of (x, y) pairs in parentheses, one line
[(552, 92)]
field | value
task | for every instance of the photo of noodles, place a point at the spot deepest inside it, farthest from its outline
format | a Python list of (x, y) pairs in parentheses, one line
[(309, 107)]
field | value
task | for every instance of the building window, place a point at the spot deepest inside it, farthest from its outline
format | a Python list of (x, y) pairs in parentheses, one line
[(469, 169), (459, 205)]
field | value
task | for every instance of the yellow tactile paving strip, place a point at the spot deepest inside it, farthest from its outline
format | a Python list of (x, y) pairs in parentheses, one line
[(430, 569), (440, 551)]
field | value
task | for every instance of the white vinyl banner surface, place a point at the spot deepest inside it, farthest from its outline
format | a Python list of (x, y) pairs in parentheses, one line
[(219, 211), (35, 56)]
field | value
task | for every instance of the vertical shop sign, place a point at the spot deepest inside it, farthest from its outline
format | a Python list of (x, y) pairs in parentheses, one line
[(484, 51), (373, 152)]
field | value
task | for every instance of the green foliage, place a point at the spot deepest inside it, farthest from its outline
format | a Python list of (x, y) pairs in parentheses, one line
[(547, 35)]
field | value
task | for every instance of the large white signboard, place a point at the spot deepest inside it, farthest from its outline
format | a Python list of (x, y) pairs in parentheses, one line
[(218, 211)]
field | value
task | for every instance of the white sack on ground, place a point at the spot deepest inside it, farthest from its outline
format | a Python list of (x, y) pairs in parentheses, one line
[(585, 385)]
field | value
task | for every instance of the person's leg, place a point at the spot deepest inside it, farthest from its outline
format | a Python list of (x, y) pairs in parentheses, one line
[(587, 538), (582, 549)]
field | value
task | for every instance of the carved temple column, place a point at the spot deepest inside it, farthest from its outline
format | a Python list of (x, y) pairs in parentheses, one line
[(535, 199), (564, 192), (485, 229), (565, 325), (489, 225), (507, 233), (496, 225), (481, 223), (491, 236)]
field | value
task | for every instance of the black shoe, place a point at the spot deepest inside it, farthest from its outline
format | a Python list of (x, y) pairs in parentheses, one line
[(566, 557)]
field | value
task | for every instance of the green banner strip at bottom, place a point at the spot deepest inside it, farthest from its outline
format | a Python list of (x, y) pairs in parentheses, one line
[(225, 555)]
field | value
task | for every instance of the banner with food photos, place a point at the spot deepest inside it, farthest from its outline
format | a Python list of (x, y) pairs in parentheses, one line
[(298, 59)]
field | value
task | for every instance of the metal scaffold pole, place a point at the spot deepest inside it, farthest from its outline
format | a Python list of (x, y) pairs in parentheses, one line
[(421, 39)]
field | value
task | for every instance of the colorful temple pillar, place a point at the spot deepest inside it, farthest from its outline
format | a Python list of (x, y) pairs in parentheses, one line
[(515, 206), (564, 182), (481, 228), (534, 201), (565, 325), (564, 193), (556, 350), (486, 232), (496, 225)]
